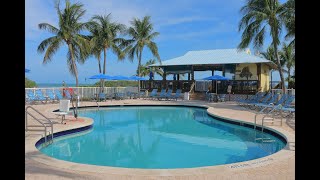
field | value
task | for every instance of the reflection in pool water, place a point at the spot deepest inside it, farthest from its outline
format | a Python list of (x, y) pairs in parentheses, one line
[(161, 137)]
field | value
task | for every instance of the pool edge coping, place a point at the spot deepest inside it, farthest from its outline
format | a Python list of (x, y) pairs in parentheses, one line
[(278, 156)]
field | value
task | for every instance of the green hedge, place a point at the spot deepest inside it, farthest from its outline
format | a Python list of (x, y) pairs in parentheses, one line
[(29, 83)]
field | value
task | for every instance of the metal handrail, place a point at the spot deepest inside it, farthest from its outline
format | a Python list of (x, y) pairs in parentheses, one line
[(274, 108), (43, 124)]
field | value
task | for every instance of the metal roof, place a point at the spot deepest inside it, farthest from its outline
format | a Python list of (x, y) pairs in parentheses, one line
[(216, 56)]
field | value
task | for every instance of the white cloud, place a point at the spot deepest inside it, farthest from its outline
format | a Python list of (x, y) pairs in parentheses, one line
[(179, 20)]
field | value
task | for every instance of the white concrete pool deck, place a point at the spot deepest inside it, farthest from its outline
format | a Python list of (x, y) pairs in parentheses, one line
[(280, 165)]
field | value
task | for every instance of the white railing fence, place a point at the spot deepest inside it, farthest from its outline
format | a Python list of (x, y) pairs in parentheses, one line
[(89, 92), (279, 91)]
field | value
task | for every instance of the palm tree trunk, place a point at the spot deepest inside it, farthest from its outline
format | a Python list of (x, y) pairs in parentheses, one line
[(74, 65), (289, 75), (104, 60), (99, 64), (104, 65), (139, 64), (279, 67)]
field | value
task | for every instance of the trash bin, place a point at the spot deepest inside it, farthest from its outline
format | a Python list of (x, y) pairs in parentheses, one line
[(186, 96)]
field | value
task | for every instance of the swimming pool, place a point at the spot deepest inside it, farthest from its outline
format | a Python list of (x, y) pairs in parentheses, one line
[(161, 137)]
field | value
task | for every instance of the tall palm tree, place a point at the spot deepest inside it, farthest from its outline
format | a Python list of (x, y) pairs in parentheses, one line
[(288, 17), (68, 32), (141, 32), (105, 36), (145, 70), (288, 56), (258, 15), (96, 48)]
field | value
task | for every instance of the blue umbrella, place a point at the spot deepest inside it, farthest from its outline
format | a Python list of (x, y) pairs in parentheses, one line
[(101, 76), (120, 78), (27, 70), (137, 78), (216, 78)]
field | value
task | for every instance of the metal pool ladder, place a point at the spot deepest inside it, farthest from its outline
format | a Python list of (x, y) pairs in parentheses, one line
[(45, 125), (269, 116)]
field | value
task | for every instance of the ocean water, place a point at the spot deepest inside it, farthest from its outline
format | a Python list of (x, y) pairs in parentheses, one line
[(42, 85), (161, 137)]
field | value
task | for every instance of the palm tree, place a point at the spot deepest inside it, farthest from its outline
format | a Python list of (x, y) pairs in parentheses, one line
[(105, 36), (288, 56), (288, 17), (269, 54), (96, 48), (145, 70), (69, 33), (258, 15), (142, 35)]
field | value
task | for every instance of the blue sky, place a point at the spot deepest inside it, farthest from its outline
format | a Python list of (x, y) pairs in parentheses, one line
[(184, 25)]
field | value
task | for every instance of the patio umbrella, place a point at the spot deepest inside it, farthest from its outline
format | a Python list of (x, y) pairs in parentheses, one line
[(120, 78), (27, 70), (101, 76), (137, 78), (216, 78)]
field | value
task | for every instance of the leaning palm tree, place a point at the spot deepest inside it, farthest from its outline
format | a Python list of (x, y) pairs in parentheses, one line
[(288, 56), (288, 17), (142, 35), (68, 32), (258, 15)]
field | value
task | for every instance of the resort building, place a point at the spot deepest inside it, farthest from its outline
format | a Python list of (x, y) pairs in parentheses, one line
[(248, 73)]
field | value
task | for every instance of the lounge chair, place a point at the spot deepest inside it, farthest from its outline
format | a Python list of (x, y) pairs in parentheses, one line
[(262, 100), (58, 94), (40, 96), (177, 94), (271, 105), (120, 96), (284, 107), (152, 94), (221, 97), (142, 94), (168, 95), (271, 101), (256, 98), (162, 94), (30, 97), (102, 96), (50, 95)]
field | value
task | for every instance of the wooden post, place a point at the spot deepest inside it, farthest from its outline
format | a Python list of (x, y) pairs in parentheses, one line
[(188, 76), (164, 80), (192, 73), (259, 74), (212, 73)]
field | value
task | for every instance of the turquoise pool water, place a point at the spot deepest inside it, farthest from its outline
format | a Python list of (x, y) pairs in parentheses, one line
[(161, 137)]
